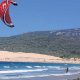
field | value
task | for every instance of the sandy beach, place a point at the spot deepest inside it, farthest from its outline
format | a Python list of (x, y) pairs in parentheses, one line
[(33, 57)]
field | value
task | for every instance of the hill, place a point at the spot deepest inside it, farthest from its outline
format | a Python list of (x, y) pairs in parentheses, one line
[(62, 43)]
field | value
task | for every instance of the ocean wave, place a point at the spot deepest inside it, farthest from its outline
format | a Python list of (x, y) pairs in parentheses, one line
[(62, 68), (37, 66), (28, 66), (33, 76), (19, 71), (6, 66), (56, 67), (74, 67)]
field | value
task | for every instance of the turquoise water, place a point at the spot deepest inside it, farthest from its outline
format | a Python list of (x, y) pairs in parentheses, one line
[(15, 70)]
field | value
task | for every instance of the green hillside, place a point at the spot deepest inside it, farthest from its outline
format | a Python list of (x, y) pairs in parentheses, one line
[(63, 43)]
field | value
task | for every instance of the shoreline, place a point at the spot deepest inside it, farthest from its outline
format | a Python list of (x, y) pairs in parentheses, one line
[(67, 77), (6, 56)]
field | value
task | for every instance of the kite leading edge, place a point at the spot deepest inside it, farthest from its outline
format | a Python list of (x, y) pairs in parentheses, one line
[(4, 12)]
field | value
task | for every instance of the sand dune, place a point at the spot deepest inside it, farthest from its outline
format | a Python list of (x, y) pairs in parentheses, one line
[(33, 57)]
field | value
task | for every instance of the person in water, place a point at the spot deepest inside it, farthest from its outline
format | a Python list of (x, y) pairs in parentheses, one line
[(67, 69)]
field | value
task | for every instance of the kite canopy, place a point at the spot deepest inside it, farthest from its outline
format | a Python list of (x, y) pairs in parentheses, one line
[(4, 12)]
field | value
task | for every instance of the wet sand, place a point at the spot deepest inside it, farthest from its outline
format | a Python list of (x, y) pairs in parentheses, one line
[(71, 77)]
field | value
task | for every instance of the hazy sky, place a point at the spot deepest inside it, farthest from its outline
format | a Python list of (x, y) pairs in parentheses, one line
[(41, 15)]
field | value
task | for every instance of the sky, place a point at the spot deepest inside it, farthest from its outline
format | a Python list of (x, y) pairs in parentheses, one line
[(42, 15)]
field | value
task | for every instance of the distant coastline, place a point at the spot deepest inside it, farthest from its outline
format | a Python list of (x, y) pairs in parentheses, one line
[(34, 57), (62, 43)]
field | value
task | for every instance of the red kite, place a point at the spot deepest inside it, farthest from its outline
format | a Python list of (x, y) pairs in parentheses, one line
[(4, 12)]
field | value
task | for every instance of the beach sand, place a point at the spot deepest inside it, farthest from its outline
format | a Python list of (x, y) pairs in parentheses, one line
[(33, 57), (26, 57)]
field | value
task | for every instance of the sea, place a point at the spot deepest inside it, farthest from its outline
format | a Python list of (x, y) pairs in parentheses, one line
[(27, 70)]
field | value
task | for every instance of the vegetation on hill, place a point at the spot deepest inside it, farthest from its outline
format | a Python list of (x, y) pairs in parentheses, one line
[(62, 43)]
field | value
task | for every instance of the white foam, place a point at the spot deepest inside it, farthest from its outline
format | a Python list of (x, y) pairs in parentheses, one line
[(56, 67), (6, 66), (29, 66), (62, 68), (38, 66), (76, 68), (19, 71), (23, 76)]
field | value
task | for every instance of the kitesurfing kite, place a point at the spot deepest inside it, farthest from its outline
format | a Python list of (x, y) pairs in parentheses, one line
[(4, 12)]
